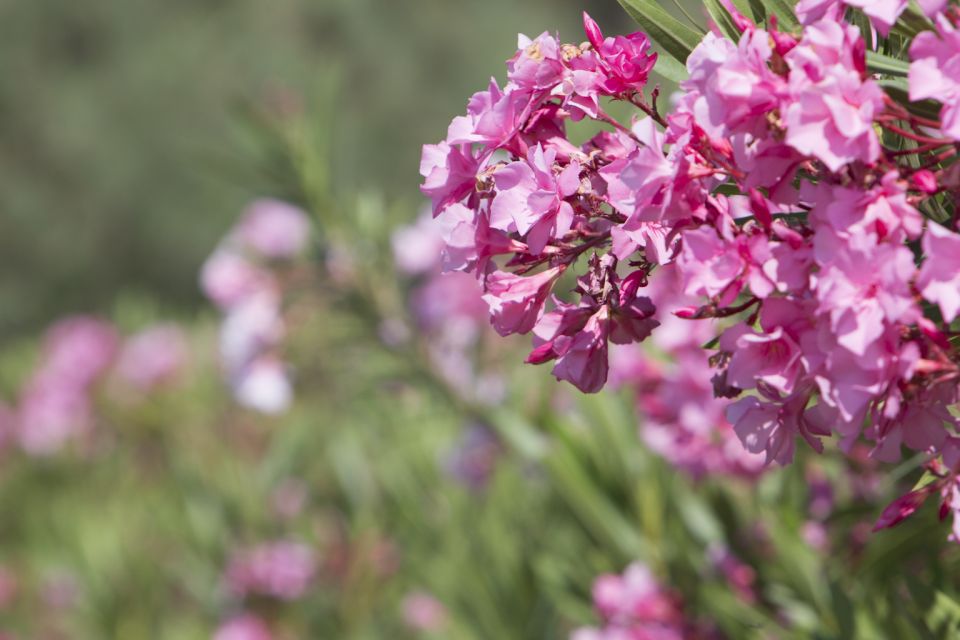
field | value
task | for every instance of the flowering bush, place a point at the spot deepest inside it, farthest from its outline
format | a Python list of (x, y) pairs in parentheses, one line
[(800, 191)]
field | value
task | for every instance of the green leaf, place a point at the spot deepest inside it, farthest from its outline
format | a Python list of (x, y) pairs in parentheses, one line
[(880, 63), (783, 9), (677, 39), (722, 18), (668, 67), (944, 616)]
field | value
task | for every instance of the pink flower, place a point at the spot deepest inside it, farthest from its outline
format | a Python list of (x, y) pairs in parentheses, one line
[(531, 198), (771, 357), (537, 64), (935, 72), (516, 302), (634, 606), (624, 59), (582, 358), (450, 173), (714, 266), (78, 350), (831, 108), (55, 405), (227, 278), (771, 427), (423, 612), (51, 413), (734, 88), (882, 13), (939, 278), (417, 247), (274, 229), (153, 357), (810, 11), (264, 385), (864, 218), (245, 626), (932, 7), (860, 291), (282, 570)]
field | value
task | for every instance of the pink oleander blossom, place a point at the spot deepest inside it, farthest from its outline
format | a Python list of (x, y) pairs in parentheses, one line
[(882, 13), (624, 58), (734, 87), (423, 612), (635, 606), (245, 626), (831, 108), (228, 278), (274, 229), (531, 198), (152, 358), (282, 570), (516, 302), (939, 278), (935, 72)]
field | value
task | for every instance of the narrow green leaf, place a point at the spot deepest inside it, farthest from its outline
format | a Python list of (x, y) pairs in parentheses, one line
[(880, 63), (723, 19), (758, 10), (676, 38), (668, 67), (783, 9)]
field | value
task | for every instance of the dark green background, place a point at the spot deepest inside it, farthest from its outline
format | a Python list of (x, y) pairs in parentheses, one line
[(119, 157)]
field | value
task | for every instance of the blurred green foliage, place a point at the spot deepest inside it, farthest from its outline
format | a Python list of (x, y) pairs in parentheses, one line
[(119, 161)]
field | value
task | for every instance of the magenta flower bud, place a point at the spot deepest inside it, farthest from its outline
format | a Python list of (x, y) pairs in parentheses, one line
[(925, 181), (592, 29)]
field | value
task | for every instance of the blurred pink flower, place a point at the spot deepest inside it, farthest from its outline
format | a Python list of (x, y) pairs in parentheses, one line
[(153, 357), (282, 570), (939, 278), (228, 278), (423, 612), (245, 626), (274, 229)]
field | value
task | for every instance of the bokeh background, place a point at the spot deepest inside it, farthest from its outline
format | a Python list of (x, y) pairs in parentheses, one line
[(122, 152)]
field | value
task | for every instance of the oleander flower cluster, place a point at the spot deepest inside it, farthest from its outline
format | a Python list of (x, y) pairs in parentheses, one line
[(635, 606), (809, 213), (82, 357), (247, 278)]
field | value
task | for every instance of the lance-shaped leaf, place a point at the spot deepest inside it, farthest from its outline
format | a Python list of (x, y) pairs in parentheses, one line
[(722, 18), (783, 10), (676, 39), (881, 63)]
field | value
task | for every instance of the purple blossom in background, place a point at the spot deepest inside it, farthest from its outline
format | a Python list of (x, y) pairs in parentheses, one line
[(474, 456)]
